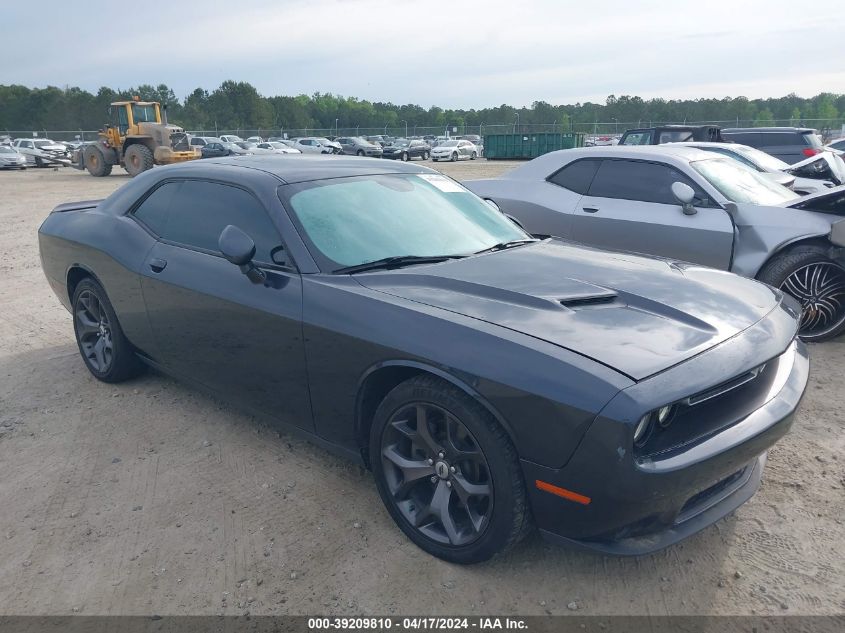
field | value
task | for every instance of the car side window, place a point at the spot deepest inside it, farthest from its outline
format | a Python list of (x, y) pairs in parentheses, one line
[(744, 138), (194, 212), (638, 180), (576, 176), (781, 138)]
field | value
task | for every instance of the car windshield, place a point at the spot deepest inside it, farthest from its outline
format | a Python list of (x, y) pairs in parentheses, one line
[(322, 141), (739, 183), (349, 221), (44, 143), (401, 143), (449, 144), (766, 161)]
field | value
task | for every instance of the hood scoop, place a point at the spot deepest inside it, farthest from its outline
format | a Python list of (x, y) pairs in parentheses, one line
[(596, 301)]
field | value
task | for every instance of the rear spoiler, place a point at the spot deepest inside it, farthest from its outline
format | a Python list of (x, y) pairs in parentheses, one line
[(76, 206)]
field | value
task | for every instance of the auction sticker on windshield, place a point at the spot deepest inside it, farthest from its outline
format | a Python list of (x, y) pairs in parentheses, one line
[(441, 182)]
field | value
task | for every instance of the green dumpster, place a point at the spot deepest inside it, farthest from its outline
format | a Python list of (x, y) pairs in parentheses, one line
[(528, 145)]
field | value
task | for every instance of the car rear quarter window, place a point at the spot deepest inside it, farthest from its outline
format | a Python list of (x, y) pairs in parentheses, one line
[(782, 138), (194, 213), (638, 180), (576, 176), (743, 138)]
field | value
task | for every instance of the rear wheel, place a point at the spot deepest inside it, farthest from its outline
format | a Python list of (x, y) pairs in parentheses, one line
[(95, 162), (138, 158), (474, 156), (106, 351), (810, 276), (447, 472)]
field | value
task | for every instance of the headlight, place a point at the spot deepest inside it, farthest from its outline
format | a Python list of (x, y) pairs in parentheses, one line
[(641, 432), (664, 415)]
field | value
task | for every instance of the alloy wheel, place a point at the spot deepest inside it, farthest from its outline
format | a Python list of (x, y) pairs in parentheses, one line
[(93, 329), (820, 287), (437, 474)]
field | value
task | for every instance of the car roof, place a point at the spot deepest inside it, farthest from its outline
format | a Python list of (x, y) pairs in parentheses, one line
[(545, 165), (299, 168), (801, 130), (698, 144)]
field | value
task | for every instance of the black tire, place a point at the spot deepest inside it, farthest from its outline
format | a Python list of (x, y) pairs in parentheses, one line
[(360, 152), (138, 159), (806, 273), (454, 156), (483, 524), (405, 157), (39, 162), (94, 320), (426, 155), (95, 162), (474, 156)]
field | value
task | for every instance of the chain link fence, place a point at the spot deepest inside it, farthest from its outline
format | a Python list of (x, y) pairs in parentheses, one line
[(828, 128)]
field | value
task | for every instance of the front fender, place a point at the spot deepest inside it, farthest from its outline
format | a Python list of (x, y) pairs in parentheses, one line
[(764, 231)]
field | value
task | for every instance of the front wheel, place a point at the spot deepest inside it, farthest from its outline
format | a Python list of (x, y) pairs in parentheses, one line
[(138, 159), (818, 283), (360, 152), (107, 353), (447, 472), (454, 156), (404, 157)]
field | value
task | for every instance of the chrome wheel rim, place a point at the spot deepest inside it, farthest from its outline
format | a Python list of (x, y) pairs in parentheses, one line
[(436, 474), (93, 330), (820, 288)]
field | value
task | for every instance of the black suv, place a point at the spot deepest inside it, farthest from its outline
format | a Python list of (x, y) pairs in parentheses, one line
[(790, 144), (671, 134)]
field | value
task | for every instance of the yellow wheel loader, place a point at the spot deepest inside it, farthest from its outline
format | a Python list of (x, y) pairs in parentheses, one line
[(136, 140)]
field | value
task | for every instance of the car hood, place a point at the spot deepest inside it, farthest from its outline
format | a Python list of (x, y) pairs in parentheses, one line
[(635, 314)]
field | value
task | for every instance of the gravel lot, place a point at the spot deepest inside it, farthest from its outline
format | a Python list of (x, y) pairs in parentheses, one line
[(149, 497)]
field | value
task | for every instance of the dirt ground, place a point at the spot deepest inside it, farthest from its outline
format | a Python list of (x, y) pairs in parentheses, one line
[(148, 497)]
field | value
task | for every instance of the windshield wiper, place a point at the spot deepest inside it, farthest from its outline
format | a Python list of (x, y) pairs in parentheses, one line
[(396, 262), (503, 245)]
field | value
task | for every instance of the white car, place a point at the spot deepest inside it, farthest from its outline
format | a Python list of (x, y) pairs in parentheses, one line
[(255, 139), (781, 172), (10, 158), (312, 145), (42, 151), (231, 138), (455, 150), (275, 147)]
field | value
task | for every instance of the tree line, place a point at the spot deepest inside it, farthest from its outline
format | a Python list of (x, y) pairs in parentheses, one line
[(237, 105)]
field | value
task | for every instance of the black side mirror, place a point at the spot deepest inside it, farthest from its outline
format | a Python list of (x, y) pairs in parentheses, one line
[(238, 248)]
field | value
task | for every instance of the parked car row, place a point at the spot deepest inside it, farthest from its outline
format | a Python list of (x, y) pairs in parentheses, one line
[(492, 377)]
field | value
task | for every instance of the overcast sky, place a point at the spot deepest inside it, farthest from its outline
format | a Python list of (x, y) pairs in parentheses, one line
[(452, 53)]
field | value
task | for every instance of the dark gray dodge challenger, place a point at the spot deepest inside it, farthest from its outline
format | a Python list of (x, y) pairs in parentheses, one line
[(490, 379)]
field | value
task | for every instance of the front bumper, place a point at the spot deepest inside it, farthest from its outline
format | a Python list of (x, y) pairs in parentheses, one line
[(638, 506)]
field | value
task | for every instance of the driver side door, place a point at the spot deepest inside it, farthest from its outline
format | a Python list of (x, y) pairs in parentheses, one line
[(629, 206), (210, 323)]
